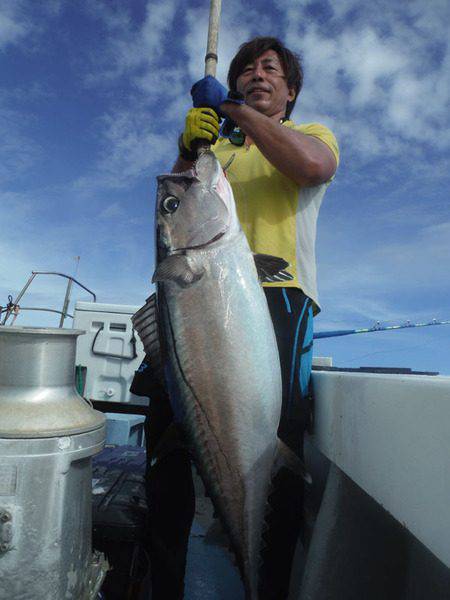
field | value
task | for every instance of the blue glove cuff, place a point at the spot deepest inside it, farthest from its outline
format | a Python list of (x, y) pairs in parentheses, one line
[(208, 92)]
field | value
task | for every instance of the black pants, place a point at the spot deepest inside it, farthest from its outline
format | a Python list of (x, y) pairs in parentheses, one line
[(291, 313), (170, 488), (171, 506)]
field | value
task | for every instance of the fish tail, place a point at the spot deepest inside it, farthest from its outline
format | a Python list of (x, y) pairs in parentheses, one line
[(285, 457)]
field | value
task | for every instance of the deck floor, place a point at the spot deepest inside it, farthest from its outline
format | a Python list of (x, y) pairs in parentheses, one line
[(210, 572)]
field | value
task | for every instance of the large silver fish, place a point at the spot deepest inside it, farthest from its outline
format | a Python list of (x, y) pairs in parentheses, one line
[(222, 364)]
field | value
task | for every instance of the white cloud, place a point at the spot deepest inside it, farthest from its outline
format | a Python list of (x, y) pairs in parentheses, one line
[(18, 150), (134, 51), (20, 19), (404, 265), (382, 74), (14, 24), (130, 147), (426, 268), (112, 211), (234, 31), (139, 130), (159, 26)]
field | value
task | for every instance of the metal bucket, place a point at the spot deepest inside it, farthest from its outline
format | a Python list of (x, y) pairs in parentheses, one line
[(48, 434)]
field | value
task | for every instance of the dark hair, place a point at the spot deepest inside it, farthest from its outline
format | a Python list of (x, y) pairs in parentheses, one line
[(251, 50)]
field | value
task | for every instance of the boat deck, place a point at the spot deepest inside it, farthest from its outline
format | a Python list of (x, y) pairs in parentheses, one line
[(210, 573)]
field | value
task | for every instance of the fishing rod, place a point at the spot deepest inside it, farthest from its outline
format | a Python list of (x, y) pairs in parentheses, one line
[(376, 327)]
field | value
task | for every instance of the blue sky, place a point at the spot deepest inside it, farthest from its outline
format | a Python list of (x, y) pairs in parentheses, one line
[(93, 97)]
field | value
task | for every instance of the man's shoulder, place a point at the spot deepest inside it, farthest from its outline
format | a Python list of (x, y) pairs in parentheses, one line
[(309, 128), (319, 131)]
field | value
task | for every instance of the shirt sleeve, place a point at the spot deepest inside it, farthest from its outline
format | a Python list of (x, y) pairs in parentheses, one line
[(323, 134)]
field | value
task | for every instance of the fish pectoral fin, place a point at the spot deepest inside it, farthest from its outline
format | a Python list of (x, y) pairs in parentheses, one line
[(178, 268), (271, 269), (285, 457)]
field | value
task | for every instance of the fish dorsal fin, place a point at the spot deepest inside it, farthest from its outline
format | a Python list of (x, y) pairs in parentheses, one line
[(271, 269), (285, 457), (145, 322), (177, 268)]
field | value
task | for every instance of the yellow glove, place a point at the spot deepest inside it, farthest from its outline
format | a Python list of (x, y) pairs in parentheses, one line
[(201, 124)]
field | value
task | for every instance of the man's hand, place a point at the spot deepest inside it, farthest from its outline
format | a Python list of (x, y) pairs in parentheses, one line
[(201, 124), (209, 92)]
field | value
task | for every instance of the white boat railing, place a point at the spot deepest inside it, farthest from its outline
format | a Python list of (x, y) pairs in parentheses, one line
[(390, 435)]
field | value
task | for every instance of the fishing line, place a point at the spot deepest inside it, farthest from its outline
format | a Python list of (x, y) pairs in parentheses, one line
[(359, 356)]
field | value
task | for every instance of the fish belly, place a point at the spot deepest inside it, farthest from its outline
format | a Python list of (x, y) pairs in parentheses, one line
[(225, 387)]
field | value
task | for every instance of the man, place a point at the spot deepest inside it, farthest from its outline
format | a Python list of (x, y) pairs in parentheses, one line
[(279, 173)]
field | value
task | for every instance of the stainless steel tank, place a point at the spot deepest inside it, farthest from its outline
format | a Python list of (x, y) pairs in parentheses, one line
[(48, 434)]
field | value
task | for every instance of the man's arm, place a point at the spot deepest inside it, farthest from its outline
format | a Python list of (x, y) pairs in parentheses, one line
[(182, 165), (303, 158)]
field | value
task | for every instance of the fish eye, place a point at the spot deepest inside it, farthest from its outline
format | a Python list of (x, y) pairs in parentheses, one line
[(169, 205)]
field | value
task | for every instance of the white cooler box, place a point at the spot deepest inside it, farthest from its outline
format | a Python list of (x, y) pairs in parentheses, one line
[(108, 351)]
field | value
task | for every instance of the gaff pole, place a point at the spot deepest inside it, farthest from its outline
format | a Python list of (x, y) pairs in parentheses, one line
[(211, 54), (213, 38)]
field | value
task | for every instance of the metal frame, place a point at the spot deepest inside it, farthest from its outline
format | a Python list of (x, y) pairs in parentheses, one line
[(13, 305)]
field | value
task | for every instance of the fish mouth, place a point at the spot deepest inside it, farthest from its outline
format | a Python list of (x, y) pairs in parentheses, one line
[(200, 246)]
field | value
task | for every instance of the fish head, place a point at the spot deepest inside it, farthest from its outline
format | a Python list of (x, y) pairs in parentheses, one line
[(195, 208)]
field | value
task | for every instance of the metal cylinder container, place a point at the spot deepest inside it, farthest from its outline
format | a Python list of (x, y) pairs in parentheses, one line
[(48, 435)]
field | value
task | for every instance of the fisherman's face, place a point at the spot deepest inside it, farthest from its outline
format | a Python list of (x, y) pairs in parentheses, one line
[(263, 83)]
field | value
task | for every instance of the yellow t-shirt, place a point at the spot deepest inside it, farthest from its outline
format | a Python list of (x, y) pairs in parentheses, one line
[(277, 216)]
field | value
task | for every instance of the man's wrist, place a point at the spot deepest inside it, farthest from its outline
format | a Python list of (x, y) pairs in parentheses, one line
[(188, 155), (232, 110), (181, 165)]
